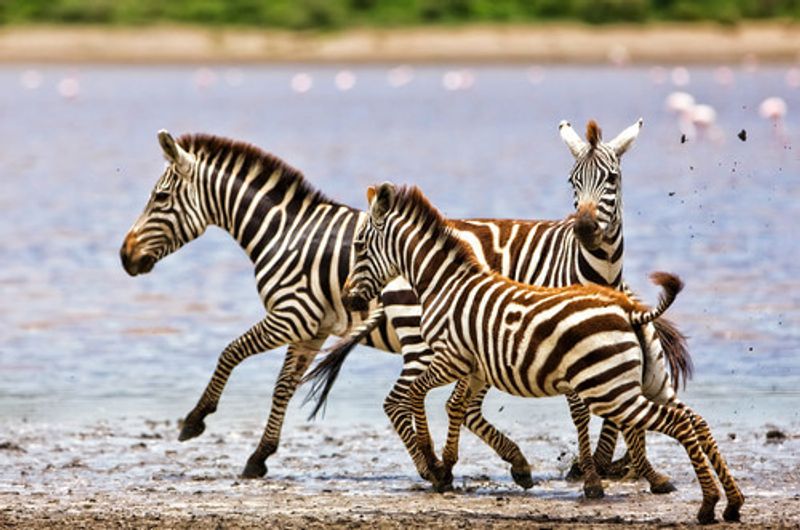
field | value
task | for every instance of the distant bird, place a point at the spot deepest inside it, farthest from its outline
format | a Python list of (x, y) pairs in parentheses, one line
[(774, 109), (345, 80), (69, 87), (301, 83), (681, 104), (704, 118)]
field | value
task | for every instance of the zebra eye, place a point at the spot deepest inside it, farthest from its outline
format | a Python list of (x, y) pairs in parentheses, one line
[(161, 196), (612, 178), (359, 245)]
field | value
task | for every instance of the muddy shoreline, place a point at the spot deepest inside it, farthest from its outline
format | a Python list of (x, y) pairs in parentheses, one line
[(134, 474)]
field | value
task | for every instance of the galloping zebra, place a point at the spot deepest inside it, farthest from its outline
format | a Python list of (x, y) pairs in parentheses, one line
[(581, 341), (301, 246), (584, 248)]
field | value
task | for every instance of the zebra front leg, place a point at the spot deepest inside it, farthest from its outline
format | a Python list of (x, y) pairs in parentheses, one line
[(441, 371), (491, 436), (259, 338), (592, 485), (298, 358), (403, 422), (456, 410)]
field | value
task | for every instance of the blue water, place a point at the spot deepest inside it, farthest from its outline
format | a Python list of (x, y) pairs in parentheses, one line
[(80, 340)]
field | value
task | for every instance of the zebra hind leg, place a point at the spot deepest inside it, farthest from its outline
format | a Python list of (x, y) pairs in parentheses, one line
[(499, 442), (673, 422), (659, 483), (734, 496), (297, 360)]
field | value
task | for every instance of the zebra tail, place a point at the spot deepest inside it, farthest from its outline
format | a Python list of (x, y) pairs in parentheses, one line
[(676, 351), (324, 374), (671, 286)]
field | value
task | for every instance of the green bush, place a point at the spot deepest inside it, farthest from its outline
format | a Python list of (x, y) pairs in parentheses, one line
[(326, 14)]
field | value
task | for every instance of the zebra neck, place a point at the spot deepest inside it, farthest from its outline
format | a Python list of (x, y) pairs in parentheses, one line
[(259, 209), (431, 262), (602, 265)]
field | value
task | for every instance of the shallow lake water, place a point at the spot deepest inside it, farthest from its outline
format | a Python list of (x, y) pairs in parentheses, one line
[(81, 342)]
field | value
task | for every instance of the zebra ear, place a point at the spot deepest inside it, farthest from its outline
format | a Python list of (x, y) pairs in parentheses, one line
[(571, 138), (625, 139), (381, 202), (370, 194), (175, 153)]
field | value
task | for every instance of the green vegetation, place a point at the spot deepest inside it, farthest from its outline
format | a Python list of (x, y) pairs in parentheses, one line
[(326, 14)]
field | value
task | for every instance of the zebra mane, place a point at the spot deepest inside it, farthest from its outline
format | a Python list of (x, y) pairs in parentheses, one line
[(208, 144), (411, 199)]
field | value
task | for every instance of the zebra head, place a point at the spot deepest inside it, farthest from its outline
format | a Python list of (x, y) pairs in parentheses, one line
[(172, 216), (596, 181), (372, 269)]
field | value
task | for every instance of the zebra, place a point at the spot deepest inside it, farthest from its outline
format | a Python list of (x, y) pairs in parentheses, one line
[(585, 248), (581, 341), (300, 243)]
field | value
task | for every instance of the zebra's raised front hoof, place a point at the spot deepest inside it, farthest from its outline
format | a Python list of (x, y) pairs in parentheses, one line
[(522, 478), (731, 513), (575, 472), (662, 488), (255, 468), (191, 429), (593, 491)]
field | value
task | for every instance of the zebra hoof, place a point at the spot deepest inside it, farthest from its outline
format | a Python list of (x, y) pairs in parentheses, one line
[(443, 487), (191, 429), (706, 515), (523, 479), (731, 513), (664, 487), (593, 491), (575, 472), (255, 468)]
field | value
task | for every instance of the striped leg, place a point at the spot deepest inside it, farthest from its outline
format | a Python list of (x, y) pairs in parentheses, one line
[(592, 486), (672, 421), (456, 409), (298, 358), (659, 483), (268, 334), (441, 371), (733, 494), (403, 422), (502, 445)]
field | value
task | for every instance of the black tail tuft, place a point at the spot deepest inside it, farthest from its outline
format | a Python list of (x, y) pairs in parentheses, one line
[(324, 374), (669, 282), (673, 343)]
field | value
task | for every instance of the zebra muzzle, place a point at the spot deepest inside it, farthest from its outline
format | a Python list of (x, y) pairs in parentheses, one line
[(132, 263)]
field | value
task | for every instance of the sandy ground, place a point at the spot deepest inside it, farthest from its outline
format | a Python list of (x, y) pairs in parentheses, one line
[(660, 43), (133, 474)]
